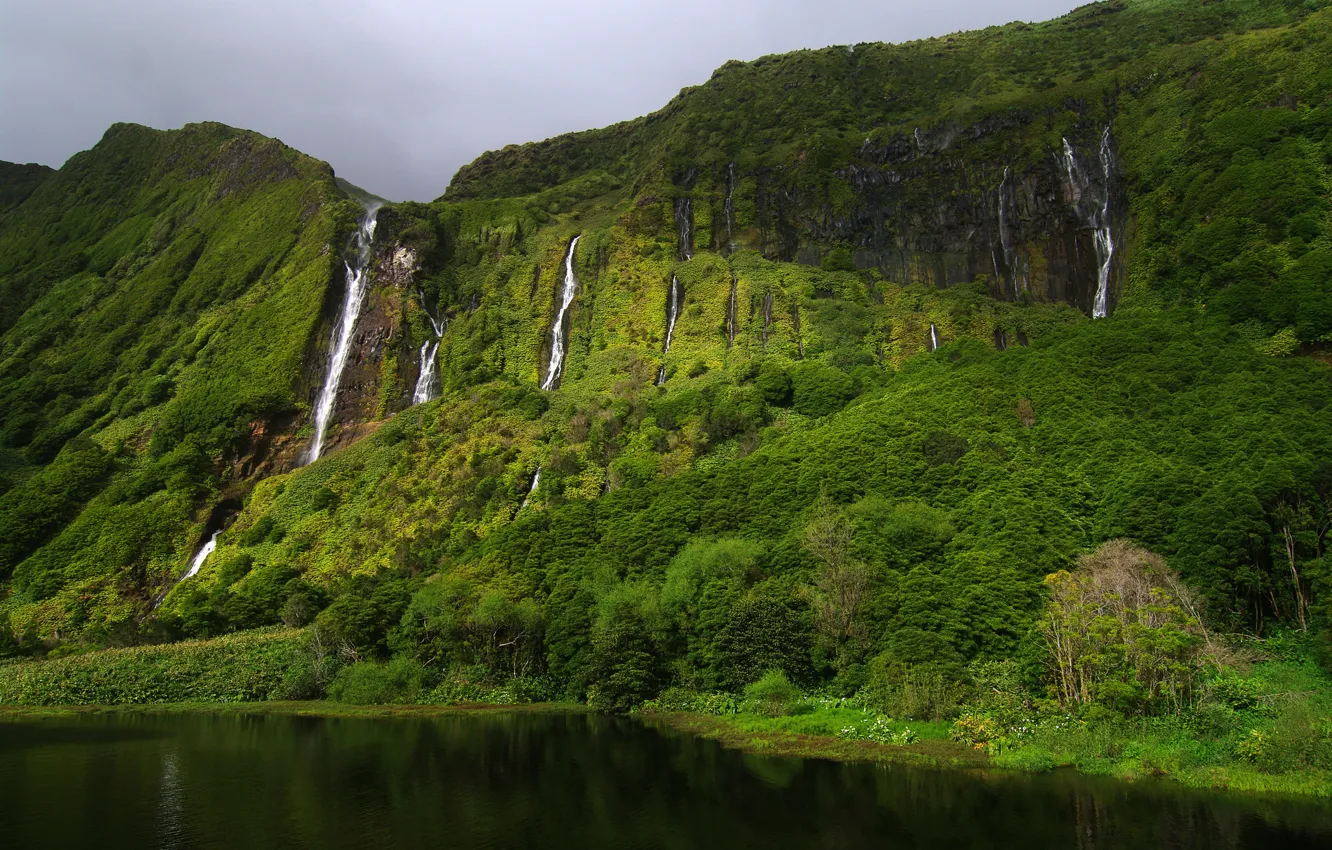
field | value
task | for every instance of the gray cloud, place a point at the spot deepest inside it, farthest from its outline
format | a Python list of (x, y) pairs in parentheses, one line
[(398, 94)]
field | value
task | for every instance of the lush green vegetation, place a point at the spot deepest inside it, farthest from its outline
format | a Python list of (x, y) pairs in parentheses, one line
[(815, 523), (160, 293), (258, 665)]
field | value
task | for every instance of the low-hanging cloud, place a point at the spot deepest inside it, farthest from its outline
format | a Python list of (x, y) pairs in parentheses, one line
[(398, 94)]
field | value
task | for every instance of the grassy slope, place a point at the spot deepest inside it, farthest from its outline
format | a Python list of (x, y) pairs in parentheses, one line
[(161, 292)]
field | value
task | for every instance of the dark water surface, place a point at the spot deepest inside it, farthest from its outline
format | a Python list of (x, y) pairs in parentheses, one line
[(168, 781)]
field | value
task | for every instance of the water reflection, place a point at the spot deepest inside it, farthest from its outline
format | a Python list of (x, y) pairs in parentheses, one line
[(558, 781)]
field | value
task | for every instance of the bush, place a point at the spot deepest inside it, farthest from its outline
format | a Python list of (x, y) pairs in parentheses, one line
[(691, 702), (914, 693), (470, 686), (975, 730), (399, 682), (773, 694), (818, 390)]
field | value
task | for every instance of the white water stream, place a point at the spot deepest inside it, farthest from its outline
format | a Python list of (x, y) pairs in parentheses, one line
[(730, 208), (427, 383), (672, 314), (557, 341), (536, 480), (201, 556), (1105, 242), (1097, 218), (358, 283)]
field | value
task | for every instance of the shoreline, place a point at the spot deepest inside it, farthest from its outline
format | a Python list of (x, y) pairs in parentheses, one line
[(929, 753), (949, 755)]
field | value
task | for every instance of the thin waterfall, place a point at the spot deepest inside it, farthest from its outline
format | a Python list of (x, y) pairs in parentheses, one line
[(684, 221), (557, 341), (673, 313), (1094, 214), (201, 556), (196, 563), (536, 480), (1070, 165), (427, 383), (1105, 242), (934, 337), (1003, 226), (730, 209), (358, 283)]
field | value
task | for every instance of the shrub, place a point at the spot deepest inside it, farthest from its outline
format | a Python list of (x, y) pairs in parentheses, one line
[(400, 681), (691, 702), (975, 730), (911, 692), (470, 686), (773, 694)]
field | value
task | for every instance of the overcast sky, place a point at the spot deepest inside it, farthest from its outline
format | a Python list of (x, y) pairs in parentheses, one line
[(397, 94)]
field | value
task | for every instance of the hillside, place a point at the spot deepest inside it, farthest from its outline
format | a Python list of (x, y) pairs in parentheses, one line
[(954, 313), (162, 293)]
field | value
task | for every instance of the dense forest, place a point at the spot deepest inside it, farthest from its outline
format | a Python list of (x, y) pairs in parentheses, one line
[(981, 379)]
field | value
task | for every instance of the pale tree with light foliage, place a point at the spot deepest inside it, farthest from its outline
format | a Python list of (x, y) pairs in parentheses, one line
[(1124, 631)]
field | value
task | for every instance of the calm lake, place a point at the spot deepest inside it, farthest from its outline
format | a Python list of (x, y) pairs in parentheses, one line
[(512, 780)]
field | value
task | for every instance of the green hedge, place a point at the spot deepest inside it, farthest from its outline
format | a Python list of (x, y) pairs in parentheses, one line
[(249, 666)]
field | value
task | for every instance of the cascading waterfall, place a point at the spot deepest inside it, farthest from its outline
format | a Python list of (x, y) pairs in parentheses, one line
[(196, 564), (730, 208), (1097, 218), (358, 280), (1105, 242), (427, 383), (673, 313), (684, 220), (1070, 165), (556, 366), (536, 480), (1003, 229), (934, 337), (201, 556)]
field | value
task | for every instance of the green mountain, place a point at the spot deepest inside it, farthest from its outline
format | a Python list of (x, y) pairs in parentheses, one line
[(863, 344)]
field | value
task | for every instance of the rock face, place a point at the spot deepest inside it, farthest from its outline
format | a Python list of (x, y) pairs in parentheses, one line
[(940, 208), (381, 367)]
